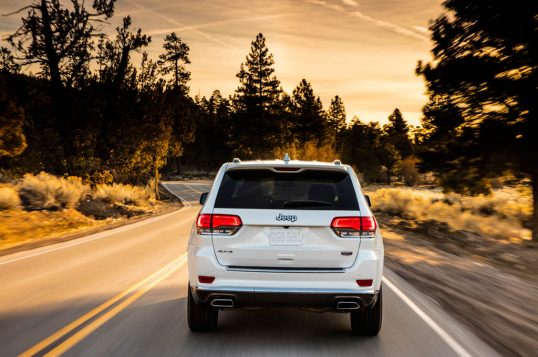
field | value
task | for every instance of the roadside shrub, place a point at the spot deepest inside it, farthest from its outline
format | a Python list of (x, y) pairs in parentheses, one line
[(9, 198), (45, 191), (499, 215), (125, 194)]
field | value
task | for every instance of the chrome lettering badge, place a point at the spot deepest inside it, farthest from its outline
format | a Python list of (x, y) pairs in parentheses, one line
[(284, 217)]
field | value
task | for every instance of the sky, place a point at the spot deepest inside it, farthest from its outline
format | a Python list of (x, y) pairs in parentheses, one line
[(365, 51)]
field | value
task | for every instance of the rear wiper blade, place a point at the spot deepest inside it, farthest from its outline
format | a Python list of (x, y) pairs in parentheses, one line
[(306, 203)]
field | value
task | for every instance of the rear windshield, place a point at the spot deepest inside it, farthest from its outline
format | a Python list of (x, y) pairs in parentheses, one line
[(265, 189)]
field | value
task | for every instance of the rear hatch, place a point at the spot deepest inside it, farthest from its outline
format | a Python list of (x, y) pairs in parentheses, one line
[(286, 218)]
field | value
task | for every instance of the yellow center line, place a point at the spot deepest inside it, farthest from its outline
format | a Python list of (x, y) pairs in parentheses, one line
[(142, 287)]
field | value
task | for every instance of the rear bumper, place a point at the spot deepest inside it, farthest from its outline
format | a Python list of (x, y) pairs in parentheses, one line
[(283, 297)]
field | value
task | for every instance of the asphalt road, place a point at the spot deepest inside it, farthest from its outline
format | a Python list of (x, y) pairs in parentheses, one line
[(123, 293)]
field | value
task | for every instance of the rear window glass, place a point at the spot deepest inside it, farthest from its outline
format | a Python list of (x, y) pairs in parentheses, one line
[(265, 189)]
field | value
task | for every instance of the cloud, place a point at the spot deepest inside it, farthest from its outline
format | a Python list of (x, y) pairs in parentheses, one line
[(421, 29), (327, 5), (396, 28), (399, 29), (181, 25), (350, 3)]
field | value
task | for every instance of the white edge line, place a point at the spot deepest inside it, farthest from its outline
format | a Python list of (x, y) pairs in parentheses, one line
[(100, 235), (428, 320)]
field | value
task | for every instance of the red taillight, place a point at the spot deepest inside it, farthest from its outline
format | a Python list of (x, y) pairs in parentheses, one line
[(365, 282), (354, 226), (206, 279), (218, 224)]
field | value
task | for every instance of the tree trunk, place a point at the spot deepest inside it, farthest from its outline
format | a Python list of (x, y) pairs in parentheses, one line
[(534, 223), (388, 177), (53, 61), (156, 178)]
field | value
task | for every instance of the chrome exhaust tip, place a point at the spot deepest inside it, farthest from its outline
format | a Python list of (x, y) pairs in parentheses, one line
[(222, 303), (347, 305)]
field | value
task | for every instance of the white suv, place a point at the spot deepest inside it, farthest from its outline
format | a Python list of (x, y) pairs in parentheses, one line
[(286, 233)]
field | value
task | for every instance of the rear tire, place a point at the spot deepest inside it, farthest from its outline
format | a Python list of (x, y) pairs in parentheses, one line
[(367, 320), (201, 317)]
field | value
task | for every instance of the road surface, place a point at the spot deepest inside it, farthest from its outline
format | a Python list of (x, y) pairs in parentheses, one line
[(123, 293)]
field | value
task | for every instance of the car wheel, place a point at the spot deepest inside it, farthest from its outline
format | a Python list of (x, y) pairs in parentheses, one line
[(367, 320), (201, 317)]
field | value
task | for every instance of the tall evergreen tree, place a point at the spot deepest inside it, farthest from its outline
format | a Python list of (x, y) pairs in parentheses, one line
[(397, 132), (173, 61), (486, 68), (256, 121), (336, 120), (309, 119)]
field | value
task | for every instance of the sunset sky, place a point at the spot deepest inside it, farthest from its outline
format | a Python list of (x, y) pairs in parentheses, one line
[(362, 50)]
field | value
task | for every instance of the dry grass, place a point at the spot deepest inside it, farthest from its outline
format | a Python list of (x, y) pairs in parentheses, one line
[(48, 192), (500, 215), (124, 194), (9, 198), (18, 226)]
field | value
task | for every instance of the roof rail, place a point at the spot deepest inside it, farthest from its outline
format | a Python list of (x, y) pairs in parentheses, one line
[(236, 160), (337, 162)]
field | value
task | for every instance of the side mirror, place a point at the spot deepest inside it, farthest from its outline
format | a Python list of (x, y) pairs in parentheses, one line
[(203, 197), (368, 200)]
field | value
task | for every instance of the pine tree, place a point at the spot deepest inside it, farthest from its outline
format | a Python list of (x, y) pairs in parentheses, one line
[(256, 123), (397, 132), (173, 62), (336, 120), (309, 118)]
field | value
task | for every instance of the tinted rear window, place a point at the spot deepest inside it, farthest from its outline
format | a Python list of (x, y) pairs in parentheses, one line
[(265, 189)]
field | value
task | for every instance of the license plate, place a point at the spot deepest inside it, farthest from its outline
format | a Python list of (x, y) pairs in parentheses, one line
[(285, 237)]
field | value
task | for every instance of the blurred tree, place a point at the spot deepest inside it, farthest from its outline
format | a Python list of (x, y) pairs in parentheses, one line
[(485, 71), (173, 62), (309, 118), (59, 37), (397, 132), (256, 122), (336, 120), (12, 139)]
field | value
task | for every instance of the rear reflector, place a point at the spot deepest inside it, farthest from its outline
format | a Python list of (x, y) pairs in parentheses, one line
[(218, 224), (206, 279), (364, 227), (365, 282)]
